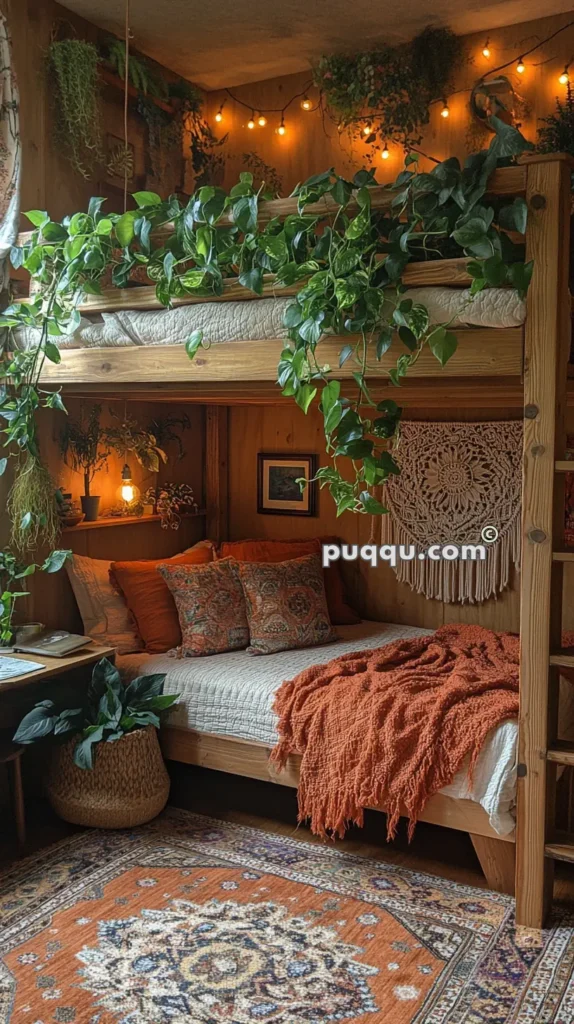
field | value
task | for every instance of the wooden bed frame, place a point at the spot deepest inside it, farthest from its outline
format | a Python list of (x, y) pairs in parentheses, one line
[(532, 362)]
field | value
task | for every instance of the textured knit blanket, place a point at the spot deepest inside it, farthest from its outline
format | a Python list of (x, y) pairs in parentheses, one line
[(391, 726)]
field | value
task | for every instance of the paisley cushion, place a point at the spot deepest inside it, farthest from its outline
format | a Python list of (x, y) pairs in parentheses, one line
[(210, 605), (286, 604)]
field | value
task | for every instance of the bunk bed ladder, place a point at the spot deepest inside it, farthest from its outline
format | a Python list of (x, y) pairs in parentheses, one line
[(547, 344)]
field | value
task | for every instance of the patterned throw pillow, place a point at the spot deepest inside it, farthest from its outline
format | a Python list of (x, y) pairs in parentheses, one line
[(210, 605), (286, 604)]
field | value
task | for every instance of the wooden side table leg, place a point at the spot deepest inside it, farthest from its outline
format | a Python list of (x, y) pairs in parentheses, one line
[(18, 800)]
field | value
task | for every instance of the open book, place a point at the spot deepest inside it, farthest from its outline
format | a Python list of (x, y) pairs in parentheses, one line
[(56, 644)]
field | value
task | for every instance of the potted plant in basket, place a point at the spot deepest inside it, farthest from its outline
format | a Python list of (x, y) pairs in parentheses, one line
[(107, 770), (84, 449)]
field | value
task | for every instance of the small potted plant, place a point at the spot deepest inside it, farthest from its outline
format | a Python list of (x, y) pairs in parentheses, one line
[(11, 570), (84, 449), (107, 770)]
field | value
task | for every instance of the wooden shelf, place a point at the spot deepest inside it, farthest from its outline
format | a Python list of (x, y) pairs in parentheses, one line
[(127, 521), (118, 83)]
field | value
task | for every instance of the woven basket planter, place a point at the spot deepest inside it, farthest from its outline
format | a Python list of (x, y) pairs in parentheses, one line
[(127, 786)]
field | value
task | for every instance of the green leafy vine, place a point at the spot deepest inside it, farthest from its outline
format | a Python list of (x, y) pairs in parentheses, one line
[(347, 269)]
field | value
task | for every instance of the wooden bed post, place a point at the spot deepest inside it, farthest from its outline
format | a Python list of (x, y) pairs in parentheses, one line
[(547, 342), (216, 472)]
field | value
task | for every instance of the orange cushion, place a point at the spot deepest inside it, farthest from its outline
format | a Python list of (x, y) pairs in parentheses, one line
[(340, 612), (149, 599)]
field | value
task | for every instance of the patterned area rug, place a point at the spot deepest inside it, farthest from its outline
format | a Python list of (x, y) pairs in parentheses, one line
[(193, 921)]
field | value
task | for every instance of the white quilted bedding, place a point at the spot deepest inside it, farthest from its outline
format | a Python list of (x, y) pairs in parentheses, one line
[(232, 695), (262, 319)]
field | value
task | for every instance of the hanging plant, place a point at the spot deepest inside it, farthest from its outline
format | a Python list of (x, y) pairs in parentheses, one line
[(164, 134), (263, 175), (140, 74), (32, 505), (73, 69), (557, 132), (391, 88)]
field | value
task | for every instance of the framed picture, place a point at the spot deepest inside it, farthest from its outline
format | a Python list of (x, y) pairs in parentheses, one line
[(278, 492)]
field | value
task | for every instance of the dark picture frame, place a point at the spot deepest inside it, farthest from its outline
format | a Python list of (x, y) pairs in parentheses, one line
[(277, 492)]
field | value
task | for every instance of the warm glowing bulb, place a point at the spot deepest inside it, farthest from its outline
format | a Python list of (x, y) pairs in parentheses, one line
[(486, 49), (520, 67), (385, 153), (564, 77), (251, 123), (128, 492), (305, 103), (445, 112), (367, 129), (281, 129), (219, 116), (261, 121)]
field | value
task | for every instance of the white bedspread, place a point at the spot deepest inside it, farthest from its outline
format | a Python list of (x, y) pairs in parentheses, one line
[(262, 319), (232, 695)]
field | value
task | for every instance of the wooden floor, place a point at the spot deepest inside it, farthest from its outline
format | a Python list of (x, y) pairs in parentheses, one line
[(434, 849)]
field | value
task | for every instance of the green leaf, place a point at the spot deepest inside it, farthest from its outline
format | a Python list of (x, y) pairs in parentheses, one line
[(193, 342), (36, 724), (56, 560), (52, 352), (304, 396), (125, 230), (3, 466), (443, 344), (104, 227), (168, 265), (408, 339), (293, 315), (371, 505), (515, 216), (144, 687), (520, 276), (342, 191), (37, 217), (345, 353), (147, 199), (83, 753), (252, 279)]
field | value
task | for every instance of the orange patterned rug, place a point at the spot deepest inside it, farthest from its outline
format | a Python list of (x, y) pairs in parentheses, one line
[(194, 921)]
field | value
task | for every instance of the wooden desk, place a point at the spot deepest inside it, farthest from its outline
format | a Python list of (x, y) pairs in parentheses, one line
[(55, 666)]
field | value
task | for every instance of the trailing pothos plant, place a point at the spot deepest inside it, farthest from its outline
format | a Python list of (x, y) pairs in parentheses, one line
[(347, 270)]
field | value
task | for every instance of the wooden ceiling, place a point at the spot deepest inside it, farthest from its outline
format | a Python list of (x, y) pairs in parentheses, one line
[(220, 44)]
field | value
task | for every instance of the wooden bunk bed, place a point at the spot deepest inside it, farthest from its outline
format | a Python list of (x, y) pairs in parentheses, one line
[(531, 362)]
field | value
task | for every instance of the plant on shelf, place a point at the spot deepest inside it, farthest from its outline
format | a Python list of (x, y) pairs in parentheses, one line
[(110, 711), (84, 448), (72, 65), (171, 502), (11, 572), (390, 89), (140, 74), (557, 132), (347, 269), (263, 174)]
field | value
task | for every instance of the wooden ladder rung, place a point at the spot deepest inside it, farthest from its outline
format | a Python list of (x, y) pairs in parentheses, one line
[(561, 848), (564, 466), (563, 659), (563, 556), (561, 753)]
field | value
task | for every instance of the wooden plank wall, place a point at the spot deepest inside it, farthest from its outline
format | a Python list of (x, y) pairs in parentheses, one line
[(312, 144)]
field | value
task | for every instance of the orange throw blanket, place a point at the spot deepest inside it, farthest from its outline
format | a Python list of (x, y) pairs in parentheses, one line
[(390, 727)]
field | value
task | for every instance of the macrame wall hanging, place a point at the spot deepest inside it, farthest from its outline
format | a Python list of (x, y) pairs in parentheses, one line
[(10, 152), (456, 479)]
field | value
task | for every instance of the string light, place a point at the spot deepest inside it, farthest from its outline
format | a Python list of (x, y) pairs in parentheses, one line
[(251, 121), (367, 129), (281, 129), (564, 77), (305, 103), (486, 49), (385, 153), (520, 67), (445, 112), (262, 120), (219, 115)]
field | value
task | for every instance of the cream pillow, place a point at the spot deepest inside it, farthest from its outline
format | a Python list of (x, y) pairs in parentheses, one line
[(105, 615)]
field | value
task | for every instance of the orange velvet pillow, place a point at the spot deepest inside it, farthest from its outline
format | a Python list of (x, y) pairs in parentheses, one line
[(149, 599), (340, 612)]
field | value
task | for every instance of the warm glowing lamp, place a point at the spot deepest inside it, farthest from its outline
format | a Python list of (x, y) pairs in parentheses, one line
[(520, 67), (281, 129), (367, 129), (445, 112), (564, 77), (486, 49), (219, 115), (251, 121), (127, 492), (385, 153), (262, 120), (305, 103)]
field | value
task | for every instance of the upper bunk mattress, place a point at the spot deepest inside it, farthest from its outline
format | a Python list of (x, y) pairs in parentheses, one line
[(232, 695), (262, 319)]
